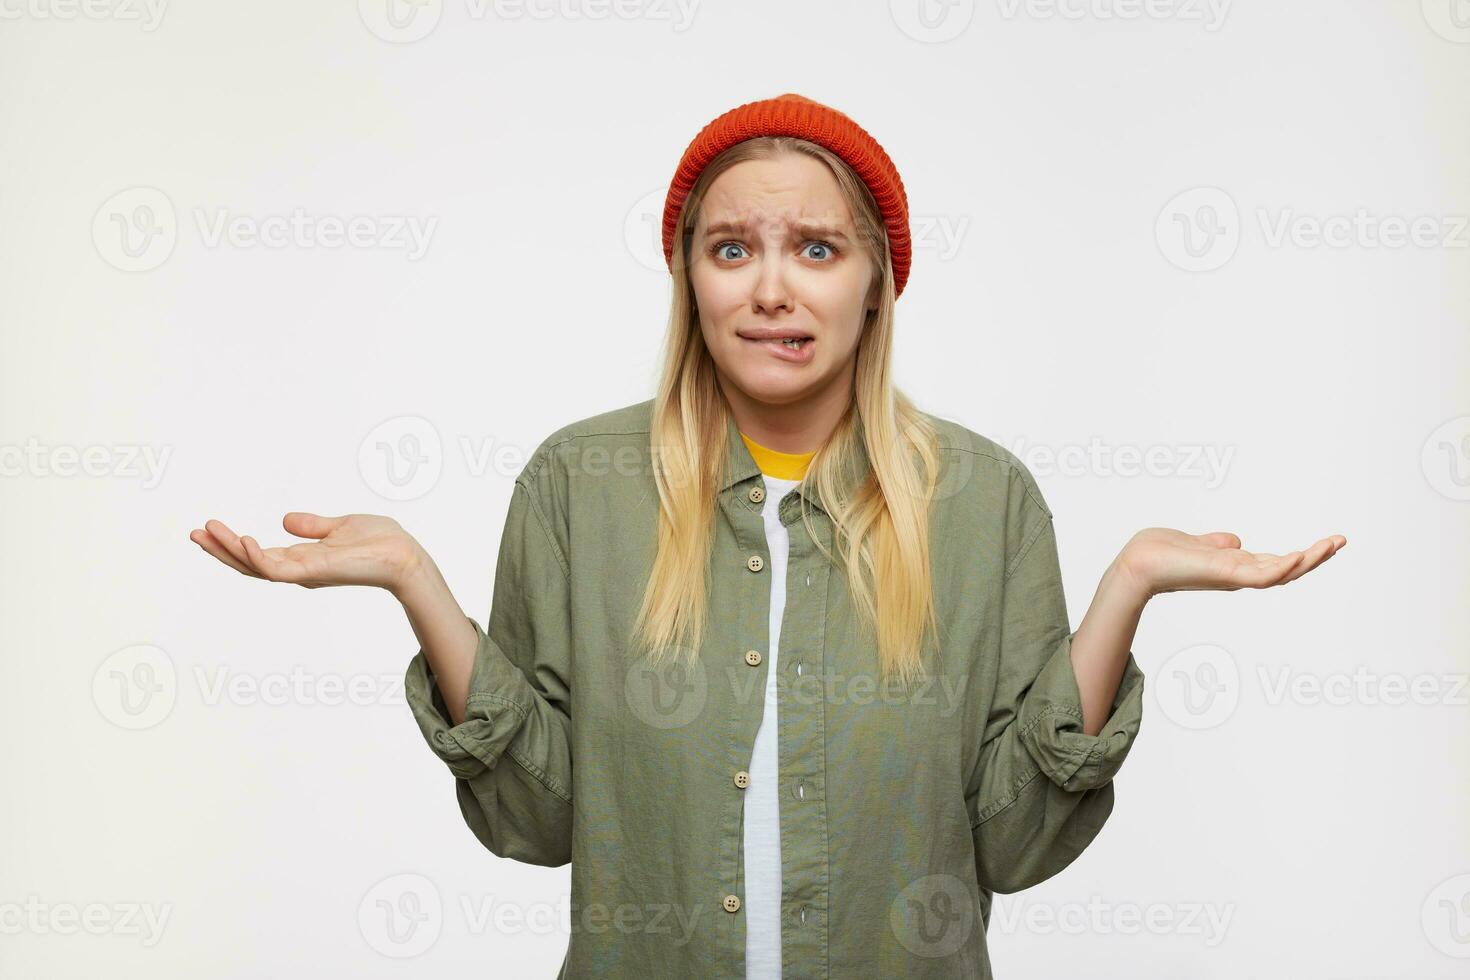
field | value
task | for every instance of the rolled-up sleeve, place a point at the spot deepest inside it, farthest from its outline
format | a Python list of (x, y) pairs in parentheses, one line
[(511, 755), (1043, 789)]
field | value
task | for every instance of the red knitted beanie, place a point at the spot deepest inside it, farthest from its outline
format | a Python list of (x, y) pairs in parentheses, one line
[(795, 115)]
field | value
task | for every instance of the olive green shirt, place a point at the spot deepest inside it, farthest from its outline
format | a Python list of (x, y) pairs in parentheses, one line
[(902, 809)]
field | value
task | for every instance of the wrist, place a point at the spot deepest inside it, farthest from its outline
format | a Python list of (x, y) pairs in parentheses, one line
[(418, 576), (1124, 584)]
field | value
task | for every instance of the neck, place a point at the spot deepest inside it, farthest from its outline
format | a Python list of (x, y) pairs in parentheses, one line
[(795, 428)]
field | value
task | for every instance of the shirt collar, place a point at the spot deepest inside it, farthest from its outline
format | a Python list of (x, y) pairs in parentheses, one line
[(741, 465)]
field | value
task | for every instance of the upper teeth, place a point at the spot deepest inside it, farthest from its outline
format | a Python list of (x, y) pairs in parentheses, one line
[(792, 341)]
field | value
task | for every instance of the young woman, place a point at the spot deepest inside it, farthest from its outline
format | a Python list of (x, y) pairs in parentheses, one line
[(779, 662)]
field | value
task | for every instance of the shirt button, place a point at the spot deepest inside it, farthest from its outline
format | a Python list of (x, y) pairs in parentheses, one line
[(742, 779), (755, 563), (753, 657), (732, 903), (757, 494)]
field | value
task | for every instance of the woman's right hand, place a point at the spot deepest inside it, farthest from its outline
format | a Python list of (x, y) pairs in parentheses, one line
[(355, 549)]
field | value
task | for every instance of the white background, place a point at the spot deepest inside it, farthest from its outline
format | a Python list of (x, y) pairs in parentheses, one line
[(1053, 304)]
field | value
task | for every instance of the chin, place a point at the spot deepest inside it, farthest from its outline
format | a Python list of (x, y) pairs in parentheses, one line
[(774, 390)]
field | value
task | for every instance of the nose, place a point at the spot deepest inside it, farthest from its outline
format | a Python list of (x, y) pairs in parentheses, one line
[(771, 291)]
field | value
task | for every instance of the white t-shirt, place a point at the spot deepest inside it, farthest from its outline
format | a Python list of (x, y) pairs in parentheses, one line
[(762, 798)]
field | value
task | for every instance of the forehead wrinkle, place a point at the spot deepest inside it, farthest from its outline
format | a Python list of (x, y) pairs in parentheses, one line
[(802, 225)]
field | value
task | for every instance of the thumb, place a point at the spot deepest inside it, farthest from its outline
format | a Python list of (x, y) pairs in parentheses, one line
[(1220, 539), (307, 525)]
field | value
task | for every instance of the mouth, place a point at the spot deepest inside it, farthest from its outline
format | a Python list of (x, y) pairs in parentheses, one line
[(795, 349)]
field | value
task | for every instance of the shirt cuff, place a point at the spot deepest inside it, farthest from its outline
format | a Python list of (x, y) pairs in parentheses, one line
[(498, 704), (1051, 724)]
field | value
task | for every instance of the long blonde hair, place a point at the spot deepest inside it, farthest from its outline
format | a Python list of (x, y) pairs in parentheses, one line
[(881, 530)]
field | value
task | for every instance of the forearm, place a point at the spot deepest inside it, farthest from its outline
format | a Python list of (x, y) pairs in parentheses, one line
[(443, 631), (1102, 642)]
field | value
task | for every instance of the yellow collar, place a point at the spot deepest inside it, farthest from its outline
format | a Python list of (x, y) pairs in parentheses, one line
[(783, 466)]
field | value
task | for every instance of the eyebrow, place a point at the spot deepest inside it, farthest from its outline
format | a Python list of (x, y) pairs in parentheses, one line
[(806, 226)]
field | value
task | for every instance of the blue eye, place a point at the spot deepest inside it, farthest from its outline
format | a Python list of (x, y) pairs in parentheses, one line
[(720, 249), (823, 245)]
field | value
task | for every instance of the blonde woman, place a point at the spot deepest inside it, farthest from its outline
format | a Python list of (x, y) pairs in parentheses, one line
[(779, 662)]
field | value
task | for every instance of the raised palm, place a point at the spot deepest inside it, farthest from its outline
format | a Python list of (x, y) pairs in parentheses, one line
[(354, 549), (1162, 559)]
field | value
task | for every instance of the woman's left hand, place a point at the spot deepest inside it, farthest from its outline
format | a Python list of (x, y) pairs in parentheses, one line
[(1160, 559)]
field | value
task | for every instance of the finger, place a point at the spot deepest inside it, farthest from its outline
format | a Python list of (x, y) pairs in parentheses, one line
[(307, 525), (1316, 555), (207, 541), (1269, 571), (1219, 539), (270, 566), (230, 540)]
